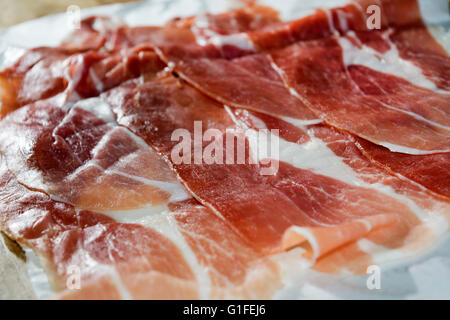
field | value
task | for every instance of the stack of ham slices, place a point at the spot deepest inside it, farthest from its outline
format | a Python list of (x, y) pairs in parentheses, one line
[(363, 170)]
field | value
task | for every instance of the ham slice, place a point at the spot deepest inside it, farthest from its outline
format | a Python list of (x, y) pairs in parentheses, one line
[(80, 159), (311, 58)]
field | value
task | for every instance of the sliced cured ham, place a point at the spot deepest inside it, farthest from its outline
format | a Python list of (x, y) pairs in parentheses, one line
[(343, 160), (314, 67), (117, 259), (426, 127), (214, 61), (233, 21), (204, 272), (96, 185), (65, 75), (316, 59), (260, 87), (430, 171), (308, 195), (125, 260)]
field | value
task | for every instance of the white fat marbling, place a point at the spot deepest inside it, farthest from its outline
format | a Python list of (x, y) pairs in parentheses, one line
[(389, 62), (315, 155)]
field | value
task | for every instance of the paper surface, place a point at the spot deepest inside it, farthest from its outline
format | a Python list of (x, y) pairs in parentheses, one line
[(426, 277)]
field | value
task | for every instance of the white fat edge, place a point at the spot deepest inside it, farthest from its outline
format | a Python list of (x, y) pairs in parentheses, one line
[(38, 276), (204, 36), (420, 118), (302, 124), (389, 62), (240, 40), (313, 155), (342, 20), (166, 225), (407, 150), (135, 215), (259, 124), (294, 9), (389, 257), (175, 189)]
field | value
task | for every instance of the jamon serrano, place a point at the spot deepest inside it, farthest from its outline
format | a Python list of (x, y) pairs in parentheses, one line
[(361, 124), (315, 199), (330, 59), (66, 75), (110, 170)]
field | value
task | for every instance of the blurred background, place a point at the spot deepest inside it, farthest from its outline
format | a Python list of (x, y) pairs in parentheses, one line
[(16, 11)]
